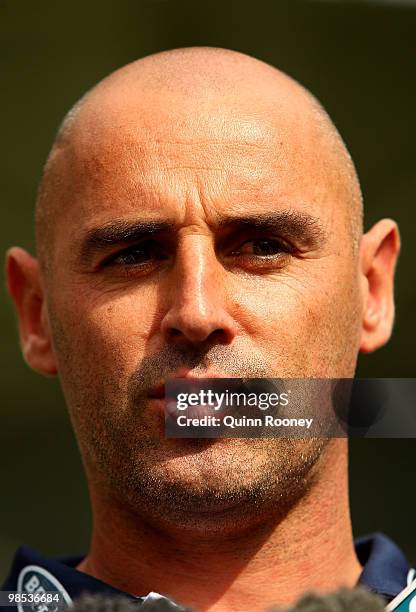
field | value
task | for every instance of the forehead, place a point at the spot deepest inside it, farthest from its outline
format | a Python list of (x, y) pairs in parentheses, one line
[(156, 154)]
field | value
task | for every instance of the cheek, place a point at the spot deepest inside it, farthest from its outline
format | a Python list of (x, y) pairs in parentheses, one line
[(307, 325), (105, 334)]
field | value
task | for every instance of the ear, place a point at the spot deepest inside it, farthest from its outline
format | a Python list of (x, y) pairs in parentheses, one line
[(380, 247), (24, 286)]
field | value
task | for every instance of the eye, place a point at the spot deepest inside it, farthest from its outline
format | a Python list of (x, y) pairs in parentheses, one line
[(263, 247), (261, 254), (142, 254)]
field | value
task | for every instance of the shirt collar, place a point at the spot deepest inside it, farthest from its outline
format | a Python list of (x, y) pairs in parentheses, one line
[(385, 569), (62, 569)]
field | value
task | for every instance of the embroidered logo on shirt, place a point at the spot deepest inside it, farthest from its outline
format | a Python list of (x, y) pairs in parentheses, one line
[(37, 580)]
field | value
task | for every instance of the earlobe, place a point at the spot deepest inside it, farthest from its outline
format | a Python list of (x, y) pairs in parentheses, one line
[(378, 257), (24, 286)]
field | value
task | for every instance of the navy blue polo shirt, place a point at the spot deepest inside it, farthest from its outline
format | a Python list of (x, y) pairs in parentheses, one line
[(385, 571)]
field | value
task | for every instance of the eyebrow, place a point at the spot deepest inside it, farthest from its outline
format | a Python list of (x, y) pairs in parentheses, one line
[(117, 232), (303, 228)]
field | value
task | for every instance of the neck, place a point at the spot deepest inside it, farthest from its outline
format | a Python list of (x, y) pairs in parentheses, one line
[(273, 562)]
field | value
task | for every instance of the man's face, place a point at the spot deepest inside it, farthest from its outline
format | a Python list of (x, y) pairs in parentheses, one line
[(214, 244)]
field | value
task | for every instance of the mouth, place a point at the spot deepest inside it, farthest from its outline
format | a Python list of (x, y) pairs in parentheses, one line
[(168, 407), (159, 390)]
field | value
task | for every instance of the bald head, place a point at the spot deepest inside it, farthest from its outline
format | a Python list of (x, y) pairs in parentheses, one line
[(196, 97)]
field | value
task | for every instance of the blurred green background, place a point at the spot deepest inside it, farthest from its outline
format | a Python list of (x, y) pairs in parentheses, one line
[(358, 58)]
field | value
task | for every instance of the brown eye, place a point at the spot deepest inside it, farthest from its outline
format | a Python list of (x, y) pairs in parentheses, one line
[(136, 255), (132, 256), (261, 246)]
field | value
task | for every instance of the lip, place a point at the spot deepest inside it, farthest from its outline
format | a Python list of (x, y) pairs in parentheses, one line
[(159, 390), (158, 393), (168, 408)]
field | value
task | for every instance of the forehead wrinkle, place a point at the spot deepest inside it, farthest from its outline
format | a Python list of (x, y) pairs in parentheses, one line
[(141, 154), (203, 139), (146, 167), (140, 149)]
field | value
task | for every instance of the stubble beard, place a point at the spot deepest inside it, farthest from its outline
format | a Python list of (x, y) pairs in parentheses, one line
[(193, 482), (179, 481)]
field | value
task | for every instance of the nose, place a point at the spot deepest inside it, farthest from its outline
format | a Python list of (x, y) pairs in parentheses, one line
[(198, 304)]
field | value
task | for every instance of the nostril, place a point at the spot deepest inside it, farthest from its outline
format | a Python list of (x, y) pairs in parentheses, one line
[(217, 334), (174, 333), (198, 335)]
